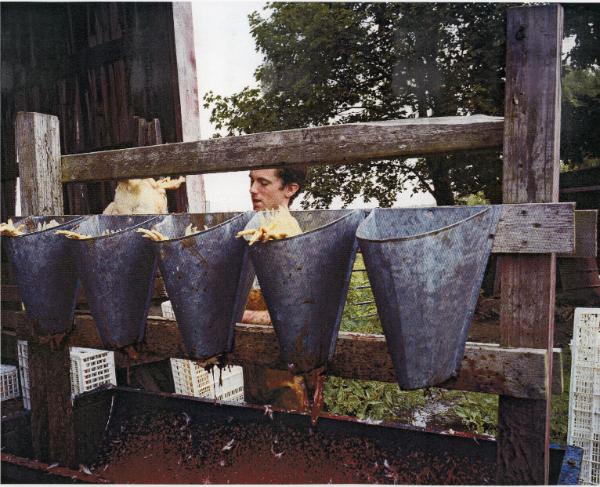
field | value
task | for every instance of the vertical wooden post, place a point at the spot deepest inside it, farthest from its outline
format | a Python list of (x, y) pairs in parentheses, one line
[(187, 109), (38, 155), (531, 169)]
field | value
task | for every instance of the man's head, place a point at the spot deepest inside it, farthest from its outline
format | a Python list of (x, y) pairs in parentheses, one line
[(271, 188)]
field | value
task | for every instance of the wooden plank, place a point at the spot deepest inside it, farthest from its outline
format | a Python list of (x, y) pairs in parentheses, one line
[(586, 235), (531, 174), (38, 153), (33, 472), (332, 144), (537, 229), (585, 189), (518, 372), (529, 228), (52, 427), (578, 274), (187, 106)]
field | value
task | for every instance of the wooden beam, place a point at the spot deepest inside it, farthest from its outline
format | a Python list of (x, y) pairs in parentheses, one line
[(517, 372), (586, 235), (332, 144), (187, 106), (38, 154), (531, 175), (536, 229), (52, 427), (528, 229)]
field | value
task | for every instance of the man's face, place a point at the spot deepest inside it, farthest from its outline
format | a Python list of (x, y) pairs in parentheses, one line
[(268, 191)]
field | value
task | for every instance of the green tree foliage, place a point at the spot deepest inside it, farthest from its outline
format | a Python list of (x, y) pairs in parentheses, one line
[(330, 63), (580, 133), (580, 130)]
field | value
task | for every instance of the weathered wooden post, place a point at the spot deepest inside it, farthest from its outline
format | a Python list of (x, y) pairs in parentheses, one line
[(38, 155), (531, 170), (187, 107)]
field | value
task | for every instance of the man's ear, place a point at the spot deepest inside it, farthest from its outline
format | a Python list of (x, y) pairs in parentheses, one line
[(291, 189)]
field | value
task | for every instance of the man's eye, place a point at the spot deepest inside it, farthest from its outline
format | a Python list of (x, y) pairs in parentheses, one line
[(264, 183)]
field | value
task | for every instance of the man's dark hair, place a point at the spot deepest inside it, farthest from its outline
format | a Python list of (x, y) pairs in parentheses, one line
[(295, 174)]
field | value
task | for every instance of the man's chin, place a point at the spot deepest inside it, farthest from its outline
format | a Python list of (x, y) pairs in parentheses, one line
[(257, 206)]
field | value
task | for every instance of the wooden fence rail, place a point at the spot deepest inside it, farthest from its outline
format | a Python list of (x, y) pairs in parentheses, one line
[(516, 372), (333, 144)]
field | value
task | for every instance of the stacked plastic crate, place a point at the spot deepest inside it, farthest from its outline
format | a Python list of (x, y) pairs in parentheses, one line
[(9, 382), (193, 380), (90, 368), (584, 398), (22, 352), (190, 379)]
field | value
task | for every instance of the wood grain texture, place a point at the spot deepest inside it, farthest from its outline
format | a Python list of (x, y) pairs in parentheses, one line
[(38, 153), (518, 372), (528, 229), (532, 130), (52, 427), (578, 274), (332, 144), (531, 170), (537, 229), (187, 107), (586, 235)]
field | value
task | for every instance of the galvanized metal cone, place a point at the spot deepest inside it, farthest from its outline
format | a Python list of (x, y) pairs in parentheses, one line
[(426, 267), (305, 281), (117, 272), (208, 278), (45, 273)]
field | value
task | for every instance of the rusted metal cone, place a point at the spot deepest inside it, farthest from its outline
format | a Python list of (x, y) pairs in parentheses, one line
[(208, 278), (305, 281), (45, 273), (425, 267), (117, 272)]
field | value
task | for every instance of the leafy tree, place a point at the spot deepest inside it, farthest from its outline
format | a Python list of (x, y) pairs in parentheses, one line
[(330, 63), (580, 137), (580, 133)]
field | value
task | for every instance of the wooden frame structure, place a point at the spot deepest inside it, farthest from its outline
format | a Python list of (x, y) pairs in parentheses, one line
[(520, 369)]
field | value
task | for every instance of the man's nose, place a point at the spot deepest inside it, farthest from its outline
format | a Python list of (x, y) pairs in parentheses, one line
[(253, 189)]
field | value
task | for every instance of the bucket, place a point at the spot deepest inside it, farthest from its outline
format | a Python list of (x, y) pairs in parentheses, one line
[(45, 273), (426, 267), (117, 272), (208, 277), (304, 280)]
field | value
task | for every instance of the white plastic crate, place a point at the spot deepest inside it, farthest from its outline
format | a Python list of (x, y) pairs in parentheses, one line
[(229, 384), (24, 372), (90, 368), (9, 382), (193, 380), (584, 396), (167, 310)]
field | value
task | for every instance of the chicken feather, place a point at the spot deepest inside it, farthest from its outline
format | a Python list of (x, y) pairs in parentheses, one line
[(8, 229), (142, 196), (273, 225)]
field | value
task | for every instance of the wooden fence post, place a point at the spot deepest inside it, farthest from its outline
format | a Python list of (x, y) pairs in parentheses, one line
[(187, 107), (38, 155), (531, 170)]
